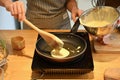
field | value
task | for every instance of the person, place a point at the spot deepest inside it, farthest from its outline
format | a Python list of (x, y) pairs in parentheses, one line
[(45, 14), (113, 3)]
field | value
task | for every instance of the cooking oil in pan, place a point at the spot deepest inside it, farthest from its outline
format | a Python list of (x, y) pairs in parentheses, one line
[(74, 50)]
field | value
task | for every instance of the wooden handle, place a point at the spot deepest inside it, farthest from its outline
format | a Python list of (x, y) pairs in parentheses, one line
[(32, 26), (51, 39)]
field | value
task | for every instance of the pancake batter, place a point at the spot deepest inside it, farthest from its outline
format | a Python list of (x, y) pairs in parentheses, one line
[(97, 23), (60, 53)]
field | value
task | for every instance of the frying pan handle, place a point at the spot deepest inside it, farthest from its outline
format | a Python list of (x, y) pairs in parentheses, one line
[(75, 26)]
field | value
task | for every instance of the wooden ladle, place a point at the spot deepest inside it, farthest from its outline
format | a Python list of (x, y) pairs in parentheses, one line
[(52, 40)]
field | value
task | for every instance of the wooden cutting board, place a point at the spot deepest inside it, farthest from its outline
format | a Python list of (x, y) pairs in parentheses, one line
[(112, 43)]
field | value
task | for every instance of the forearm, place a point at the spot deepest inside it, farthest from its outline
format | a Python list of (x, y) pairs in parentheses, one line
[(15, 7), (73, 8), (71, 5)]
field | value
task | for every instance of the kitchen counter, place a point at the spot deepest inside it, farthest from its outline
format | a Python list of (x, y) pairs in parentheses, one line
[(19, 63)]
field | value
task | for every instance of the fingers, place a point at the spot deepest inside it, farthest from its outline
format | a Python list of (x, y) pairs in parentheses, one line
[(76, 13), (21, 12), (80, 12), (73, 17), (14, 10), (17, 10)]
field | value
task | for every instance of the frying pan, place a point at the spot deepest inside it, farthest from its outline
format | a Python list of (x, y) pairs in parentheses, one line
[(75, 44)]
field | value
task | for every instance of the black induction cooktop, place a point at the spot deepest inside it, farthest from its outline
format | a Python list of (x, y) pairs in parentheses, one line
[(80, 65)]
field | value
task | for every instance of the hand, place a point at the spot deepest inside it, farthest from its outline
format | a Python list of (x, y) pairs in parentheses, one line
[(17, 9), (76, 13)]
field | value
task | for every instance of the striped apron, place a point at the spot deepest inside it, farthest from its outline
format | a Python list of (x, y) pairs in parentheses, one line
[(47, 14)]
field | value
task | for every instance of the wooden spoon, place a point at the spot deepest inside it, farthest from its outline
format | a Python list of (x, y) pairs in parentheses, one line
[(50, 39)]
